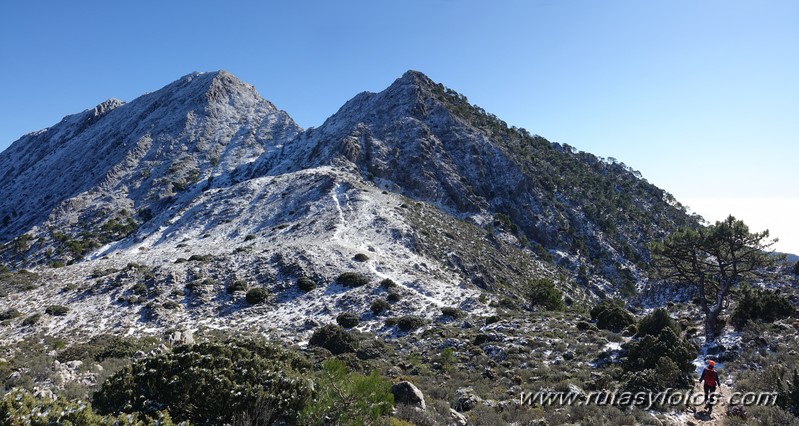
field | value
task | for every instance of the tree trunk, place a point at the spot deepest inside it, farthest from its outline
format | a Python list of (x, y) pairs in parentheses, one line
[(711, 315)]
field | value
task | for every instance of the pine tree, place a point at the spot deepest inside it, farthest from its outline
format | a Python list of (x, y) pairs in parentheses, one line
[(713, 260)]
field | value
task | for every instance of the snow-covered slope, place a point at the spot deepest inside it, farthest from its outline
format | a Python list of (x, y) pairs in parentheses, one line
[(151, 214), (128, 162), (268, 232)]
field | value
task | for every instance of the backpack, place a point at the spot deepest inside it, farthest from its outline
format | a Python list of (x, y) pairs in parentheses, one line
[(709, 377)]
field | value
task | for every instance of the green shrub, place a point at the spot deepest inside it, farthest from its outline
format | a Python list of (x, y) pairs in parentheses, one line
[(452, 312), (760, 305), (796, 268), (20, 407), (32, 320), (352, 279), (610, 315), (102, 347), (9, 314), (238, 285), (542, 292), (56, 310), (360, 257), (659, 362), (387, 284), (257, 295), (306, 284), (348, 398), (347, 320), (200, 258), (409, 323), (212, 383), (379, 306), (15, 282), (393, 297), (656, 321), (139, 288), (335, 339), (171, 305), (788, 397)]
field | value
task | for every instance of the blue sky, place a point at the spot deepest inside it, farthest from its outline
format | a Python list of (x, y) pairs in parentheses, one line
[(701, 96)]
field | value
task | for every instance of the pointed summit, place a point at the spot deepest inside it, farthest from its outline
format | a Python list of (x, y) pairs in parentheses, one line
[(139, 155), (414, 77), (412, 82)]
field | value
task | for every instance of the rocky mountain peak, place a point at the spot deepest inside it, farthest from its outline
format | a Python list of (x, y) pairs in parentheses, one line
[(107, 106), (137, 156), (414, 78)]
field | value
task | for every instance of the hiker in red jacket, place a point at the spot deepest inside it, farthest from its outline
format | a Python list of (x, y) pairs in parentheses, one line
[(711, 379)]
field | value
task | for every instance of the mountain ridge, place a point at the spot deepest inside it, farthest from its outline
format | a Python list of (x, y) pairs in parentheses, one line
[(440, 197)]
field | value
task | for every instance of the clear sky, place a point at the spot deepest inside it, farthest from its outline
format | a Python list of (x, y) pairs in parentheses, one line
[(701, 96)]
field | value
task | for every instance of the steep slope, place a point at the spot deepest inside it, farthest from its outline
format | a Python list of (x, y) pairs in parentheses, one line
[(426, 141), (98, 175), (268, 232)]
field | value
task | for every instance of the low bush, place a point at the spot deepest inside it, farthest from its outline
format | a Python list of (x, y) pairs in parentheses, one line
[(542, 292), (610, 315), (406, 323), (139, 288), (56, 310), (15, 282), (306, 284), (335, 339), (345, 398), (387, 284), (20, 407), (347, 320), (655, 322), (352, 279), (257, 295), (102, 347), (379, 306), (212, 383), (451, 312), (491, 319), (659, 361), (760, 305), (171, 305), (238, 285), (360, 257), (32, 320), (9, 314), (200, 258)]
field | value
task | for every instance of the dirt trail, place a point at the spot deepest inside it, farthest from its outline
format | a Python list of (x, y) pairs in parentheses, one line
[(700, 416)]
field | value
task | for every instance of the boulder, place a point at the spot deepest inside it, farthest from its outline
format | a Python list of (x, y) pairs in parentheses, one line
[(457, 418), (406, 393), (466, 399)]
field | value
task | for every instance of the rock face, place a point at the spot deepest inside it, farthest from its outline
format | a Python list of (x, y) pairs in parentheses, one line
[(406, 393)]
